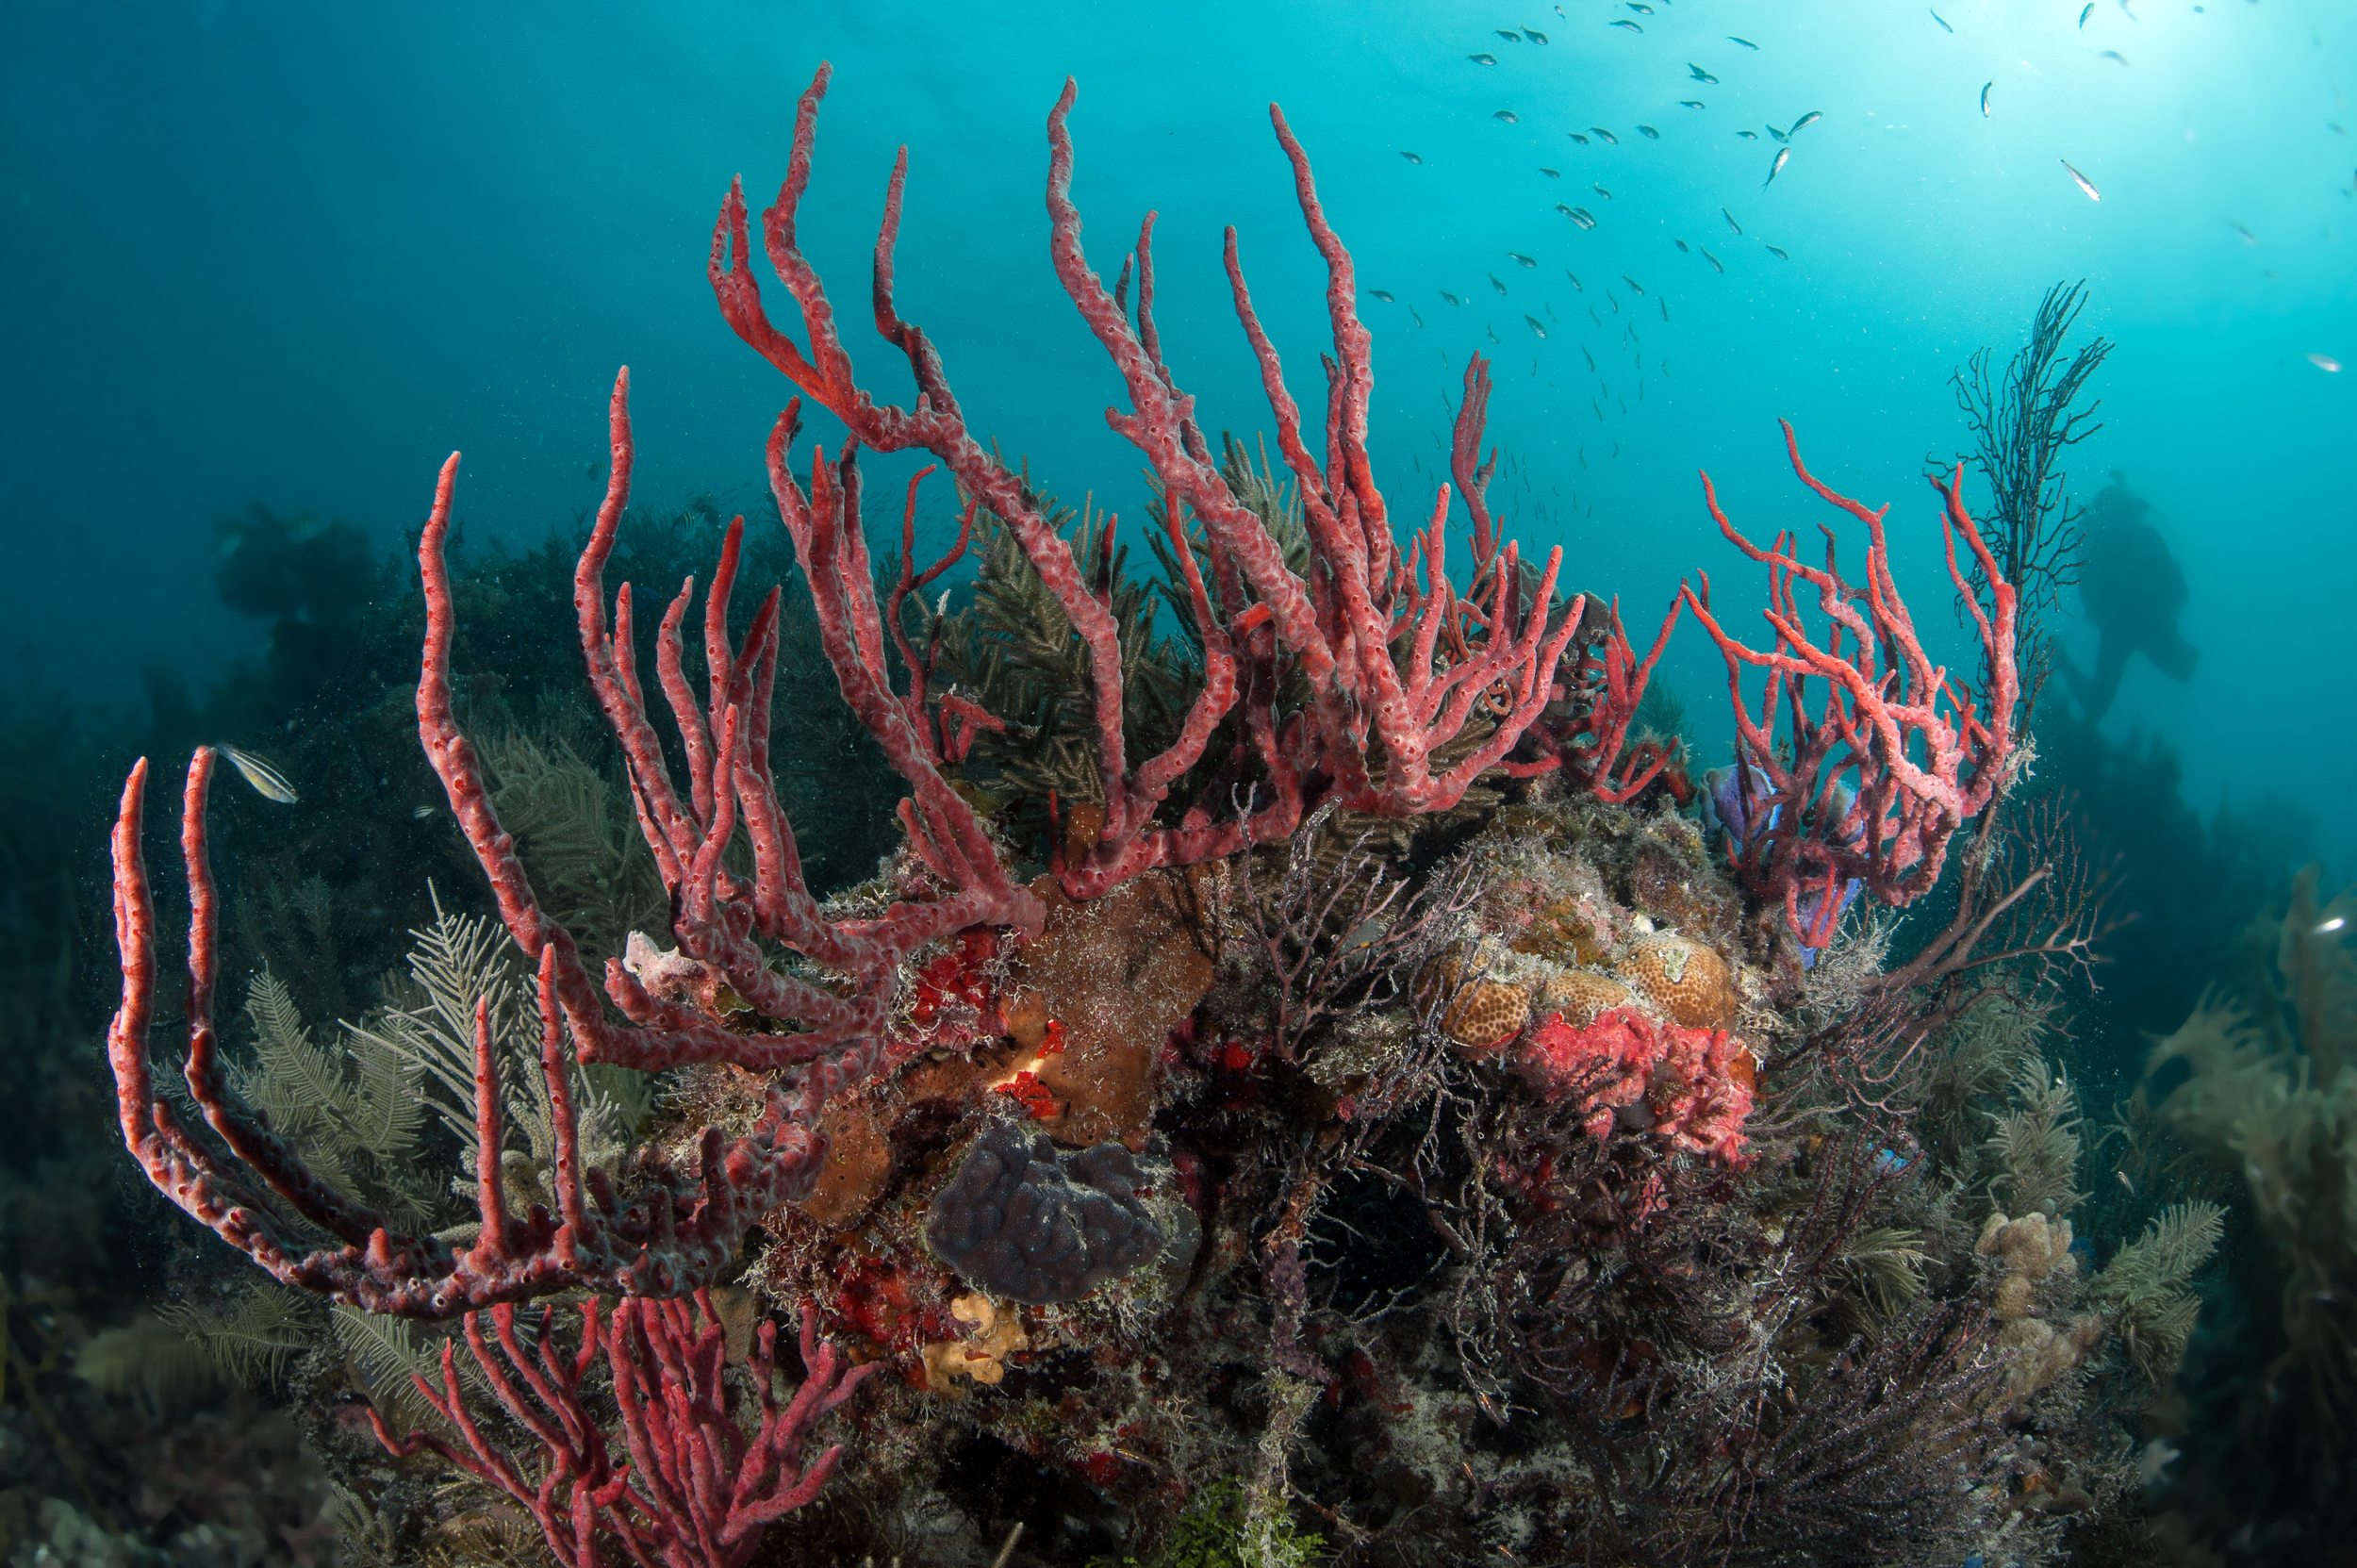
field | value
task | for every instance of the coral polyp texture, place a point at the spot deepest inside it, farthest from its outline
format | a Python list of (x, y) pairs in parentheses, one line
[(1315, 1042), (1683, 978)]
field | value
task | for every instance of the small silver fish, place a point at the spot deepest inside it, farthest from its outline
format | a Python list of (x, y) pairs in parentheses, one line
[(1575, 277), (1692, 103), (421, 813), (1493, 331), (2247, 238), (1495, 284), (1584, 218), (1451, 298), (1534, 35), (1942, 21), (2113, 55), (1777, 168), (2088, 11), (2125, 1182), (1641, 10), (2326, 363), (1412, 310), (1518, 257), (1606, 137), (1683, 247), (1576, 137), (1551, 173), (1749, 136), (1591, 359), (1777, 134), (2093, 194), (1509, 115), (267, 780), (1601, 192), (1632, 27), (1649, 133), (1985, 87), (1700, 75), (1637, 287), (1803, 123), (1380, 294), (1483, 60), (1664, 302), (1508, 34), (1410, 156), (1777, 252), (1536, 325), (1744, 41), (1714, 262), (1730, 218)]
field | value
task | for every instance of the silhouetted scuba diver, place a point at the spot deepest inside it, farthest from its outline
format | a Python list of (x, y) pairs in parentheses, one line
[(2131, 587)]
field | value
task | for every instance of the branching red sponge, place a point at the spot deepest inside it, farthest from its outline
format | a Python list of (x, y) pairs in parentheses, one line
[(1870, 787), (697, 1490)]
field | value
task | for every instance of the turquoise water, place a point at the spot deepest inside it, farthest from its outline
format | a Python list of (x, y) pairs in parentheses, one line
[(297, 255)]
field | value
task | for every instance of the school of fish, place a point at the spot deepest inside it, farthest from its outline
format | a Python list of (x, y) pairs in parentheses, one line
[(1585, 221)]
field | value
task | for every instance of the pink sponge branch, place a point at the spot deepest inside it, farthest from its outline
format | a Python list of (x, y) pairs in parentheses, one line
[(1340, 626), (1891, 762), (1612, 683), (1465, 462), (696, 1490), (682, 1227)]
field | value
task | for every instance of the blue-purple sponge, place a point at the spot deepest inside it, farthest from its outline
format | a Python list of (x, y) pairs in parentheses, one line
[(1028, 1222)]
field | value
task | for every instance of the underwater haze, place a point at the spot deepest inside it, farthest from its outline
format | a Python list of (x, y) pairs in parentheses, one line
[(296, 255)]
